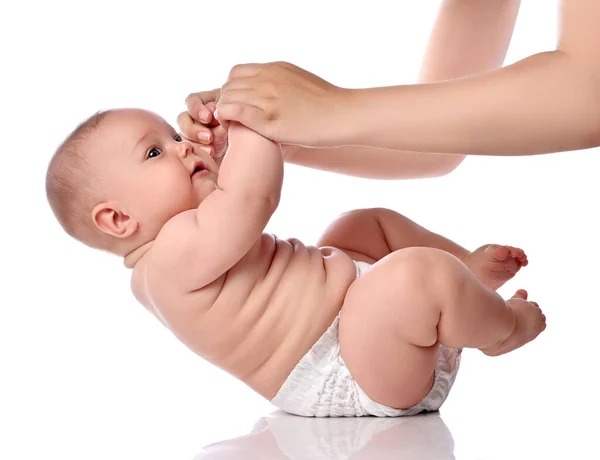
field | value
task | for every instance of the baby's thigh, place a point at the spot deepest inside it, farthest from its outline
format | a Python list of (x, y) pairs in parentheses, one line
[(380, 327)]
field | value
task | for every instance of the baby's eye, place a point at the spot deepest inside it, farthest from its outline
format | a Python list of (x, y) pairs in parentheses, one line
[(178, 138), (153, 152)]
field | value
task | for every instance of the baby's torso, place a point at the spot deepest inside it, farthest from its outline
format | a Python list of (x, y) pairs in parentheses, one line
[(259, 319)]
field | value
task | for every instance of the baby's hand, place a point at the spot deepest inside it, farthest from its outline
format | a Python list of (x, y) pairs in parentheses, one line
[(198, 124)]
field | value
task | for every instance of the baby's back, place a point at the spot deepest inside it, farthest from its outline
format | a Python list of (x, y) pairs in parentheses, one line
[(259, 319)]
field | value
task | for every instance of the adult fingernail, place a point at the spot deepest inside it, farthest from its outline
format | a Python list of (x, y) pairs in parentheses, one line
[(203, 115), (204, 136)]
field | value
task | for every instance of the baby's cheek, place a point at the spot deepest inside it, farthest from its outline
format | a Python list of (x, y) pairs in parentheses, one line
[(163, 197), (181, 195)]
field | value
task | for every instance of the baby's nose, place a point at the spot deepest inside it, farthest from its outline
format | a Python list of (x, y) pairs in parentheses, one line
[(183, 148)]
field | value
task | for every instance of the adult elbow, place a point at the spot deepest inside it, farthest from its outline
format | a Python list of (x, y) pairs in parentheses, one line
[(590, 137), (586, 122), (428, 166), (446, 167), (585, 132)]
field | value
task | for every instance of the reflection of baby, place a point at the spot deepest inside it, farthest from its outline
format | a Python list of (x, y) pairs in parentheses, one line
[(371, 320), (281, 436)]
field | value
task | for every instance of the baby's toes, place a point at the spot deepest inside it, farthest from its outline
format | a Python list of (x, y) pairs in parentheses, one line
[(516, 253), (512, 266), (499, 253), (522, 259), (519, 255), (521, 293)]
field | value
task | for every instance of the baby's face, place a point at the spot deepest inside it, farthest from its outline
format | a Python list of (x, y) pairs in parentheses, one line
[(146, 168)]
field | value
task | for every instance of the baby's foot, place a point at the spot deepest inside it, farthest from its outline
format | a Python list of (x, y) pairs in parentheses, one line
[(529, 323), (494, 265)]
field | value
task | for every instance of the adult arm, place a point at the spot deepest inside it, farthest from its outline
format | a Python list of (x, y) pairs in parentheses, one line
[(548, 102), (468, 37)]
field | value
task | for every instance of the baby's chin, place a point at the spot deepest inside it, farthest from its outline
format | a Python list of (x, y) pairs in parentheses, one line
[(159, 217)]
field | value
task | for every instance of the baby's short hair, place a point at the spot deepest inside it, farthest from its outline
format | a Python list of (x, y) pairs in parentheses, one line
[(71, 186)]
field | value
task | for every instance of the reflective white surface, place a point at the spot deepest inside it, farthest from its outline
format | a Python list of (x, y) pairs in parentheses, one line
[(520, 434), (281, 437)]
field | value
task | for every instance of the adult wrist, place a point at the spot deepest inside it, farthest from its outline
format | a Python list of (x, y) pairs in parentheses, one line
[(346, 125)]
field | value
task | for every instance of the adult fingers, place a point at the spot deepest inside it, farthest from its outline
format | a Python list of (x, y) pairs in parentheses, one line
[(196, 104), (209, 149), (245, 70), (242, 83), (248, 115), (193, 130)]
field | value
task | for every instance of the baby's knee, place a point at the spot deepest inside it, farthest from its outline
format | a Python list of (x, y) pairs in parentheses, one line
[(418, 280), (362, 214), (429, 269)]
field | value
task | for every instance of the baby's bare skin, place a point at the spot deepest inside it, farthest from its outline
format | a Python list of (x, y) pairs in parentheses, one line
[(253, 304), (258, 320)]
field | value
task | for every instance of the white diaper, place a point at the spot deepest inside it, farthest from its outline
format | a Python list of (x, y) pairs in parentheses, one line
[(321, 385)]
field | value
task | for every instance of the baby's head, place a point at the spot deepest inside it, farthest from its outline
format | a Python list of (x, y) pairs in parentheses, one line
[(121, 175)]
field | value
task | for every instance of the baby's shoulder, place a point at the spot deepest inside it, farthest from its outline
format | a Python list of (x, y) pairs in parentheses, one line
[(173, 234), (178, 225), (184, 254)]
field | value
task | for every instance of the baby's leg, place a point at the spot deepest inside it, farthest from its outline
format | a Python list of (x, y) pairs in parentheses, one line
[(377, 232), (396, 314)]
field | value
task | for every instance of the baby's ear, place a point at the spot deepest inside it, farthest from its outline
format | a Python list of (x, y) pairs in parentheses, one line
[(110, 219)]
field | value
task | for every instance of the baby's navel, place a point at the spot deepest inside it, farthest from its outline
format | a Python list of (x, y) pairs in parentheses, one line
[(326, 251)]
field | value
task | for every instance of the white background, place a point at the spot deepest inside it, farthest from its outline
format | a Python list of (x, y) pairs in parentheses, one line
[(86, 373)]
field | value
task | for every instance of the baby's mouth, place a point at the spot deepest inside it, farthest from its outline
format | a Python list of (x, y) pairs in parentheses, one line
[(199, 168)]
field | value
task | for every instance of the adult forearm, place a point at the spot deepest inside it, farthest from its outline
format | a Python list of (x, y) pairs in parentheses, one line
[(469, 37), (373, 162), (545, 103)]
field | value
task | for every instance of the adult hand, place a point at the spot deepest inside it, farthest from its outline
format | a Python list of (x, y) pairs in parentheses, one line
[(284, 103), (199, 125)]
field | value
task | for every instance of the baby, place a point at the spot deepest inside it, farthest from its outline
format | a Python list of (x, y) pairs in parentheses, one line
[(369, 321)]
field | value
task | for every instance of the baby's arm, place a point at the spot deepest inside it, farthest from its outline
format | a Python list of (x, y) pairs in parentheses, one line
[(198, 246)]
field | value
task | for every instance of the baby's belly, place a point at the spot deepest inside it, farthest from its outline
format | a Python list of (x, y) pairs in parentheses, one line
[(296, 292)]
